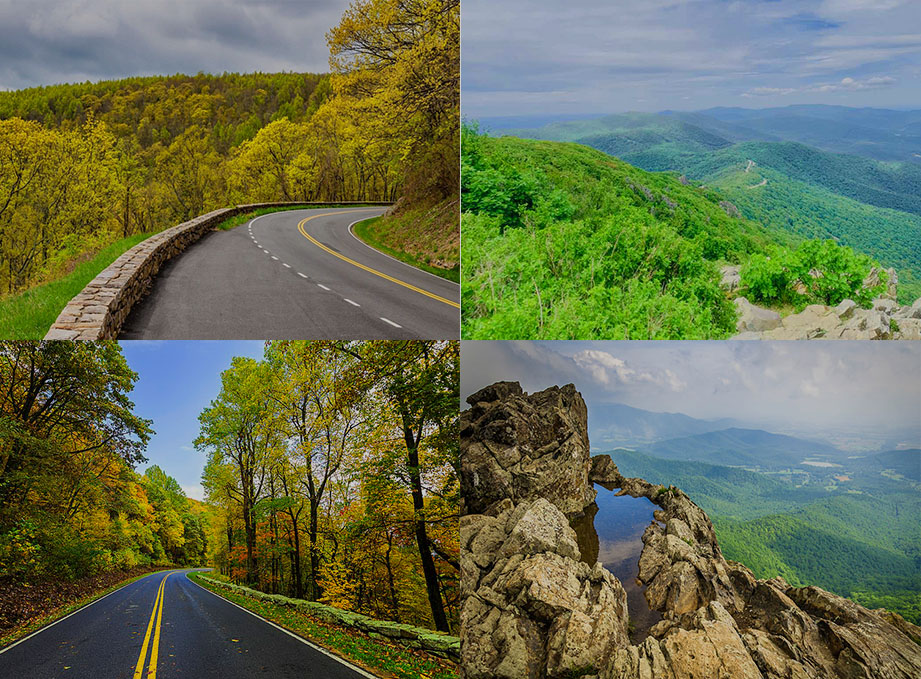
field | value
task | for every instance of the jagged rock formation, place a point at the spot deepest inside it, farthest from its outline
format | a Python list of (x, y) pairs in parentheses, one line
[(521, 446), (532, 609), (886, 320)]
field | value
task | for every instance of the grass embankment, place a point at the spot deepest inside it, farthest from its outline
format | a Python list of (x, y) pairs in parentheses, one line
[(54, 601), (427, 238), (378, 656), (29, 314)]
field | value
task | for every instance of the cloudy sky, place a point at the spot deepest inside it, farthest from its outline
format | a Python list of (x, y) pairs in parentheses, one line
[(597, 56), (785, 386), (44, 42)]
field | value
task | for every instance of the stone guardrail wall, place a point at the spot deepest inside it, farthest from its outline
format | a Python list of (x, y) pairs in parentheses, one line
[(428, 640), (100, 309)]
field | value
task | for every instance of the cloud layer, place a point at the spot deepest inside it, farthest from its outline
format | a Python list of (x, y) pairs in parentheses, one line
[(595, 56), (53, 41), (840, 386)]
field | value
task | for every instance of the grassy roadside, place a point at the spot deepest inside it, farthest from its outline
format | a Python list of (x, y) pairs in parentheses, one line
[(56, 614), (373, 231), (377, 656), (29, 314)]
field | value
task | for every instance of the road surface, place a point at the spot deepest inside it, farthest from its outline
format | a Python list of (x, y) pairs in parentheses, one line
[(298, 274), (188, 632)]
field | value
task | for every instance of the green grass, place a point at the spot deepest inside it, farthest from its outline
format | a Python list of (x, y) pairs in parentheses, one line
[(60, 612), (29, 314), (357, 647), (365, 230)]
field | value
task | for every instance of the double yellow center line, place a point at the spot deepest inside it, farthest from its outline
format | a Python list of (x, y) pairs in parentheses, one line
[(300, 227), (156, 613)]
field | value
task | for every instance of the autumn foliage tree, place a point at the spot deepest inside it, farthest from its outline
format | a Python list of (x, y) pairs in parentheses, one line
[(71, 503), (357, 500)]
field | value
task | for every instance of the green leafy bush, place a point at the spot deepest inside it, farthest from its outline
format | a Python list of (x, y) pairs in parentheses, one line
[(816, 272)]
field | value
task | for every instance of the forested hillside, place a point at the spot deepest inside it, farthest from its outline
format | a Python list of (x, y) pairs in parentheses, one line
[(332, 467), (84, 165), (859, 201), (71, 504), (564, 241), (857, 536)]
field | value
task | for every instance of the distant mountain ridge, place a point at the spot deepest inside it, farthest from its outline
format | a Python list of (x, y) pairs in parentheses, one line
[(817, 172), (617, 424), (742, 447)]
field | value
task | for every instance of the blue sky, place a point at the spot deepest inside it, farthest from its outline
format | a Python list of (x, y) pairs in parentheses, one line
[(176, 381), (596, 56), (868, 392)]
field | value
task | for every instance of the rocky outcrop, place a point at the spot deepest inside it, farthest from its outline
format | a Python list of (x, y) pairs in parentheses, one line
[(885, 320), (519, 446), (531, 608), (730, 277)]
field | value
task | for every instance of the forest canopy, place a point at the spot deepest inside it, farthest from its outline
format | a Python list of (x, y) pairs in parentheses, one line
[(84, 165)]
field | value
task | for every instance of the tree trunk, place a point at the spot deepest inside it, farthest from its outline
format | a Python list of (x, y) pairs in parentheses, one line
[(432, 587)]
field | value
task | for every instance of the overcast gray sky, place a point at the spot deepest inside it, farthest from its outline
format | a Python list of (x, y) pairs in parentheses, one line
[(802, 385), (603, 56), (43, 42)]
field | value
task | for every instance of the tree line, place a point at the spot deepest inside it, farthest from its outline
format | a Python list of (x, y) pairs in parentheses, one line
[(71, 504), (84, 165), (332, 468)]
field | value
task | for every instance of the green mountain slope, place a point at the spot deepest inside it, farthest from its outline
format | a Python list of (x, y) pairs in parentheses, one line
[(562, 241), (859, 539), (741, 447), (872, 206)]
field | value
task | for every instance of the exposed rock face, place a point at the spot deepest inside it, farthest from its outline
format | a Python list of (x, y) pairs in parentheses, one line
[(886, 320), (754, 318), (520, 446), (730, 278), (532, 609)]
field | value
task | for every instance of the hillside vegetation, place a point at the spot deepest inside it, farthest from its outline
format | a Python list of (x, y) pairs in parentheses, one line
[(84, 165), (563, 241), (71, 504), (858, 538), (860, 202)]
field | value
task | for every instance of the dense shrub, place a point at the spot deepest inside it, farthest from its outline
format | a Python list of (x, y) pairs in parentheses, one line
[(821, 272)]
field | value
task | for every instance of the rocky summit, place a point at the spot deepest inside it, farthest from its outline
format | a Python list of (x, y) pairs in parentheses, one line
[(531, 608)]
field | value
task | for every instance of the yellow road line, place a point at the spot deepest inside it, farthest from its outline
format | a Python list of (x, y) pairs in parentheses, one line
[(158, 605), (300, 227), (152, 669)]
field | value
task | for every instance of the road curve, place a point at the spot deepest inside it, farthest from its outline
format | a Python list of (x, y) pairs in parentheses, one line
[(297, 274), (190, 631)]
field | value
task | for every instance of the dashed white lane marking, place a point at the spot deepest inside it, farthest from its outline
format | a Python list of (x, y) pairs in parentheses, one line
[(320, 285)]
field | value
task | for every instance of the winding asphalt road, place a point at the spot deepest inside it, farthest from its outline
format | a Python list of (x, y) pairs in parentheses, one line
[(298, 274), (187, 632)]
